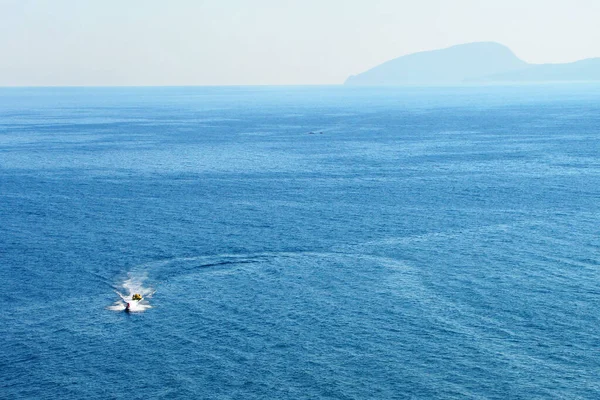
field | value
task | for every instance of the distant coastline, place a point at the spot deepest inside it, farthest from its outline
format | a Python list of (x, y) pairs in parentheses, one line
[(483, 62)]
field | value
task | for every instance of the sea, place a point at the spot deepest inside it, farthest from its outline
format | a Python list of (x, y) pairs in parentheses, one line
[(322, 242)]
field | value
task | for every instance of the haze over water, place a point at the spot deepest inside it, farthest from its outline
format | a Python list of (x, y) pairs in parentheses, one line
[(430, 243)]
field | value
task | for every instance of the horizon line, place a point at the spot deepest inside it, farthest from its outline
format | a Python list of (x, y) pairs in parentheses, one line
[(421, 85)]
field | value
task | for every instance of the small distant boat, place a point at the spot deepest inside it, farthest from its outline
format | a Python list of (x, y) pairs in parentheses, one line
[(132, 305)]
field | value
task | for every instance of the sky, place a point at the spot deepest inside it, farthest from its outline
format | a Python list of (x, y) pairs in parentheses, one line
[(268, 42)]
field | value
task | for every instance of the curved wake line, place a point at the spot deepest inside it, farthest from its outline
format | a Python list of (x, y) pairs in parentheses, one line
[(226, 260), (139, 274)]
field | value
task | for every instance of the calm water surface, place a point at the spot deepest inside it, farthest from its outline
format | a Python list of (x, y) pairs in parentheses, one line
[(428, 244)]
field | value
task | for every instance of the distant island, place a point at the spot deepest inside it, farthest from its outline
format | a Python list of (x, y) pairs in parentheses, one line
[(483, 62)]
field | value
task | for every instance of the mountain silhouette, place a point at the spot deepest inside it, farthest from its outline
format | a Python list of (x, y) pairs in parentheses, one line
[(473, 62)]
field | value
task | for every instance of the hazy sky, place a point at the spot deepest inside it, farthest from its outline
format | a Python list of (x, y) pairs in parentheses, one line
[(241, 42)]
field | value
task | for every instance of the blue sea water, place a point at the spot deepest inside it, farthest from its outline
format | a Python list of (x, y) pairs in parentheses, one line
[(430, 243)]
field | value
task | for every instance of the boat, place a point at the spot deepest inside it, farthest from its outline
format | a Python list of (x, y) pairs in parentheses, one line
[(132, 305)]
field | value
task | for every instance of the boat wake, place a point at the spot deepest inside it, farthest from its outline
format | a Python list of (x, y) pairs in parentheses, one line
[(130, 292)]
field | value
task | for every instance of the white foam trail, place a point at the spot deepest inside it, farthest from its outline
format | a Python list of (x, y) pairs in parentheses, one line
[(132, 285)]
